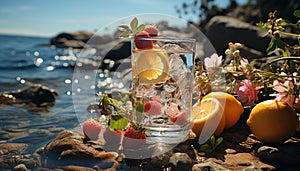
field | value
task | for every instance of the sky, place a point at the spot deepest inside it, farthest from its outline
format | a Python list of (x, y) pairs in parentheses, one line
[(50, 17)]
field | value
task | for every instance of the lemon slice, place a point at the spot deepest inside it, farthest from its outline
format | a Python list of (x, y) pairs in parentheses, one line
[(207, 114), (150, 66)]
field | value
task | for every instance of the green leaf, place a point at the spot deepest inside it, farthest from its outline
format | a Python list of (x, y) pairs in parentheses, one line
[(219, 141), (271, 48), (134, 24), (286, 52), (140, 28), (139, 112), (206, 148), (124, 28), (297, 13), (125, 34), (284, 23), (212, 140), (117, 122)]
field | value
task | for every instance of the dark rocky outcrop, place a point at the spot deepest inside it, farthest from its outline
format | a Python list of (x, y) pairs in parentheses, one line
[(34, 97), (78, 39), (221, 30)]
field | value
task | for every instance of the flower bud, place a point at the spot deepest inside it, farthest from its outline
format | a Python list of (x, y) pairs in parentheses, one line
[(236, 53), (279, 20), (228, 52)]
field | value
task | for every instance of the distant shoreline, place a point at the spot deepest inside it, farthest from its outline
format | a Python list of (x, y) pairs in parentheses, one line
[(24, 35)]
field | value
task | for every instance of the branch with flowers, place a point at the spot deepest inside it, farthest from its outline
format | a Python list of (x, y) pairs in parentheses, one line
[(251, 84)]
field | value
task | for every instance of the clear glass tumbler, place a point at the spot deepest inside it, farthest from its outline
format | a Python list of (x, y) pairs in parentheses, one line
[(162, 87)]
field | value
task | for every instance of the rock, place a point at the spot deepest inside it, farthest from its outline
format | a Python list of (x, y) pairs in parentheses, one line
[(78, 39), (181, 161), (121, 51), (71, 149), (158, 162), (12, 148), (274, 154), (12, 156), (34, 97), (210, 165), (77, 168), (20, 167), (221, 30)]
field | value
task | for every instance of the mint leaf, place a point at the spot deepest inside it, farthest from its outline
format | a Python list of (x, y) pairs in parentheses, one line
[(124, 28), (117, 122), (133, 25), (140, 28)]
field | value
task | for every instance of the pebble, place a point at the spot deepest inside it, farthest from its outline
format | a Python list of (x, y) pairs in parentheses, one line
[(180, 162)]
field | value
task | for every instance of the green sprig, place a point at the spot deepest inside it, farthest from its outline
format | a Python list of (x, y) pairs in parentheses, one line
[(212, 144), (132, 30)]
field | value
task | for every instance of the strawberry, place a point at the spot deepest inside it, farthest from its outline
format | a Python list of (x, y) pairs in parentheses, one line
[(112, 137), (152, 108), (134, 137), (179, 119), (152, 30), (91, 129), (143, 44)]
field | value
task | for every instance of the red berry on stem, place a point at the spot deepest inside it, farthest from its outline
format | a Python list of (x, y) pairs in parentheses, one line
[(91, 129), (134, 138), (143, 44)]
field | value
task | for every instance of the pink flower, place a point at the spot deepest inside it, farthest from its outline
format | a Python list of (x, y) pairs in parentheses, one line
[(243, 64), (212, 64), (285, 92), (247, 92)]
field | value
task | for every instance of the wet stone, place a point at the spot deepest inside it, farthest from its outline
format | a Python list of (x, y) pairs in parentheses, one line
[(71, 149), (282, 154), (181, 161)]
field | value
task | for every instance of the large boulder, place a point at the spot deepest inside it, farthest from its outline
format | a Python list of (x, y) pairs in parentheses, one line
[(221, 30), (78, 39)]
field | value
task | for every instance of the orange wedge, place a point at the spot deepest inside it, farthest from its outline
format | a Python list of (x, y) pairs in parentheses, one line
[(207, 117), (150, 66)]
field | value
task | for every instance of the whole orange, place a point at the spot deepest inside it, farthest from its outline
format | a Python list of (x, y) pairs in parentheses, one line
[(272, 121), (232, 107)]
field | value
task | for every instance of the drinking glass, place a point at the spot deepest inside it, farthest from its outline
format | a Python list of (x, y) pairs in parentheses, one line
[(162, 86)]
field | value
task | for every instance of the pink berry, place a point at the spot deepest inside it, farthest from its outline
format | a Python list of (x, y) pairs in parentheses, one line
[(112, 137), (179, 119), (91, 129), (152, 108)]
